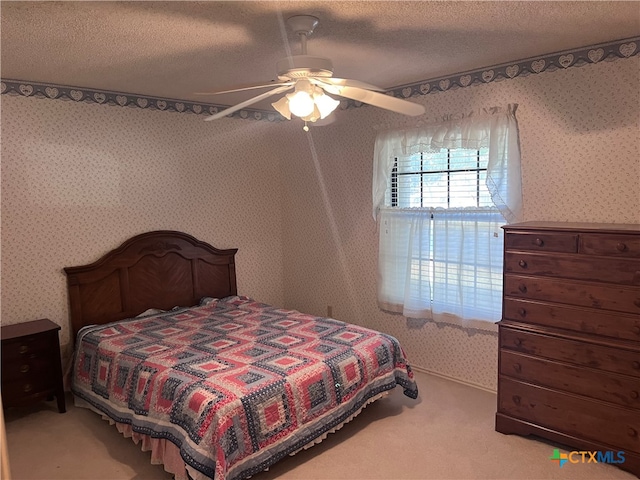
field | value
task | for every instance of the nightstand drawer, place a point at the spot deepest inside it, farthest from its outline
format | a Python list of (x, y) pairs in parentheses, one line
[(542, 241), (28, 347), (14, 391), (28, 367)]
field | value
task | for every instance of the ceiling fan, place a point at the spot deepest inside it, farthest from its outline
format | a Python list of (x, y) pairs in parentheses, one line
[(311, 82)]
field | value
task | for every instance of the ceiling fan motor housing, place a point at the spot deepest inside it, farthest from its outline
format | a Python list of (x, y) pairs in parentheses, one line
[(303, 66)]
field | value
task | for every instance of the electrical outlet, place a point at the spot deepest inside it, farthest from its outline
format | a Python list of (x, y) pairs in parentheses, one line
[(329, 311)]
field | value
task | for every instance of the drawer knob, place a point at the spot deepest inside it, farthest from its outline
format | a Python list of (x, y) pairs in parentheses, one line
[(636, 302), (632, 432), (539, 242), (518, 342), (24, 368), (636, 365), (522, 264), (27, 388), (517, 367), (516, 399), (621, 247), (522, 287), (634, 394), (24, 348), (636, 330), (522, 312)]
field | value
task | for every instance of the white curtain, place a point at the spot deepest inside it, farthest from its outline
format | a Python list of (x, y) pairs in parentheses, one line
[(495, 129), (446, 264), (404, 266), (467, 252)]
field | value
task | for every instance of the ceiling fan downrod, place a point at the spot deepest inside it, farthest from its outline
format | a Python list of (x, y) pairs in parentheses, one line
[(303, 65), (303, 26), (303, 43)]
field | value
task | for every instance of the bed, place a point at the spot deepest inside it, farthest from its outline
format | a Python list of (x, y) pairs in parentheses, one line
[(217, 385)]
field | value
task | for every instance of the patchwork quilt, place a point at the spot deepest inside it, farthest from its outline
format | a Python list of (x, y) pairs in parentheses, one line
[(234, 383)]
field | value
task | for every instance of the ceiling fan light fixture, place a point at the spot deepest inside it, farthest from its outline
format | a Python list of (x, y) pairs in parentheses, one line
[(308, 102), (300, 103), (324, 103), (282, 107), (313, 116)]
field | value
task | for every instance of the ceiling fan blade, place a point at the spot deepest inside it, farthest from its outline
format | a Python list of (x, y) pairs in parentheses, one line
[(382, 101), (244, 88), (347, 82), (246, 103)]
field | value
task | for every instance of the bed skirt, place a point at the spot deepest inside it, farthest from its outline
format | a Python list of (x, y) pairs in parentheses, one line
[(164, 452)]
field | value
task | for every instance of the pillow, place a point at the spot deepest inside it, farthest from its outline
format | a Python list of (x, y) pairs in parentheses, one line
[(207, 300), (151, 311)]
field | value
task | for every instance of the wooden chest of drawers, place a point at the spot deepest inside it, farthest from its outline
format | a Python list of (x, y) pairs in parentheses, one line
[(569, 339), (31, 369)]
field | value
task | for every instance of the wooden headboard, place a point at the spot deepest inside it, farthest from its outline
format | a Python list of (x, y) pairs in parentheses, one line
[(160, 269)]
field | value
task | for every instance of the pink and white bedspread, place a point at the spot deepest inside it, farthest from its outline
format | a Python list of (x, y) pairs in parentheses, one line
[(235, 384)]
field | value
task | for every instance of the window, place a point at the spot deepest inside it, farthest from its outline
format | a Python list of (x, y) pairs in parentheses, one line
[(450, 186), (440, 208), (448, 178)]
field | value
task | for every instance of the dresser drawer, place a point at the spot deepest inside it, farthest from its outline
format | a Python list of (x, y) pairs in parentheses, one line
[(574, 292), (579, 319), (619, 389), (611, 245), (617, 360), (571, 414), (541, 241), (624, 271)]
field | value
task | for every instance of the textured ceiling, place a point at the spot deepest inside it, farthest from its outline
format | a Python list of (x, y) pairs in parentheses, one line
[(173, 49)]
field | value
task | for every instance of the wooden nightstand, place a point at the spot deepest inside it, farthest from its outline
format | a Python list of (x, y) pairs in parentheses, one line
[(31, 367)]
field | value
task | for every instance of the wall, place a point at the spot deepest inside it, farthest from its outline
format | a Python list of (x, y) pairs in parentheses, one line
[(78, 180), (580, 162)]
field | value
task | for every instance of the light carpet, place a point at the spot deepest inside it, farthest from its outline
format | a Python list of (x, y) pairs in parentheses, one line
[(447, 433)]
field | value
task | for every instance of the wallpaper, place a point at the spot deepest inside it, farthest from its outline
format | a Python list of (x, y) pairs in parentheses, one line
[(78, 179), (580, 144)]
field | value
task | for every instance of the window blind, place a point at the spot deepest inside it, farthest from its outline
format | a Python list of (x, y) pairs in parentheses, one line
[(448, 178)]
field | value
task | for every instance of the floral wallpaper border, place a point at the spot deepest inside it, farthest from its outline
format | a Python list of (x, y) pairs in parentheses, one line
[(79, 94), (560, 60)]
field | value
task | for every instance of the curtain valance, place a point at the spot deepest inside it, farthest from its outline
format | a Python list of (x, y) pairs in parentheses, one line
[(495, 129)]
